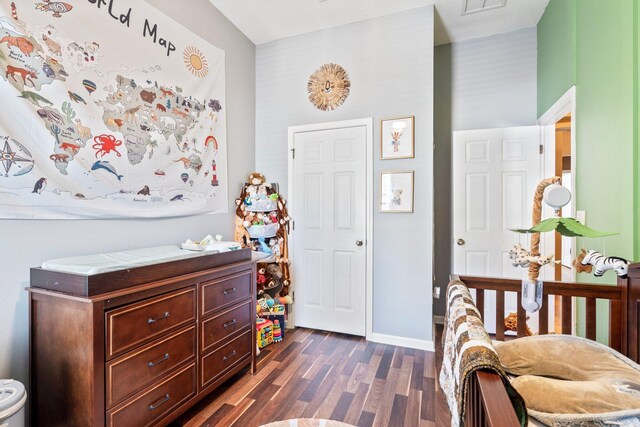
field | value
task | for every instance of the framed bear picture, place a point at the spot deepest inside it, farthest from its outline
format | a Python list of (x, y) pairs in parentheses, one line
[(396, 191)]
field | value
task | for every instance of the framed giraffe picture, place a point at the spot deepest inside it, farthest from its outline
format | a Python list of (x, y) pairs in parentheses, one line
[(397, 138)]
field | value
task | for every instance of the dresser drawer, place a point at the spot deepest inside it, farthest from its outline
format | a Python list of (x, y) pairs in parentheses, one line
[(134, 371), (136, 324), (158, 401), (225, 324), (224, 358), (225, 291)]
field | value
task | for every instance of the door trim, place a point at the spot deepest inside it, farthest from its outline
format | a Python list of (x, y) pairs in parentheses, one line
[(566, 104), (368, 125)]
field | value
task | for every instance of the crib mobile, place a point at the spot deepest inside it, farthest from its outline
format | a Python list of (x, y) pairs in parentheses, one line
[(552, 192)]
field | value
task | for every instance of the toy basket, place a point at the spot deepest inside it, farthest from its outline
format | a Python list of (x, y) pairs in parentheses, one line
[(257, 231), (262, 205)]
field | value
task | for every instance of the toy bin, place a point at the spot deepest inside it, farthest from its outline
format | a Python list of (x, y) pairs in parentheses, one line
[(266, 231), (13, 396), (280, 318), (264, 332)]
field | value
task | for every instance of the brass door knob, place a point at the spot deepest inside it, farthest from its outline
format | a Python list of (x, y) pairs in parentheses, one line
[(460, 242)]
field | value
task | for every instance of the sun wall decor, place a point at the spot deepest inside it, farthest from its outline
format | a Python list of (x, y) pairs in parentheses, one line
[(328, 87), (195, 61)]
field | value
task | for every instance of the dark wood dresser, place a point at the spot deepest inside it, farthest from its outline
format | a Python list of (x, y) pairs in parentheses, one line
[(138, 347)]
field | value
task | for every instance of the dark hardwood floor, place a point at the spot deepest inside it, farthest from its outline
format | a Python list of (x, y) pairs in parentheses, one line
[(315, 374)]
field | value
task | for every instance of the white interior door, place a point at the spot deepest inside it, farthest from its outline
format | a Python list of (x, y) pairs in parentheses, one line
[(495, 173), (329, 240)]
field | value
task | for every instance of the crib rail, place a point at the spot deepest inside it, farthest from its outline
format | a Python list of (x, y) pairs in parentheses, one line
[(615, 295), (485, 405)]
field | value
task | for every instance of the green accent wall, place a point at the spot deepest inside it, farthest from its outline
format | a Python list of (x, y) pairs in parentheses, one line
[(636, 135), (593, 44)]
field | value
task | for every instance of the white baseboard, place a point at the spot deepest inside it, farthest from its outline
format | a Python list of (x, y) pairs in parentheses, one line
[(438, 319), (401, 341)]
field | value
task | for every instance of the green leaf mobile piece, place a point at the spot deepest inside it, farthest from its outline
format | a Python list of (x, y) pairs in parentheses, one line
[(569, 227)]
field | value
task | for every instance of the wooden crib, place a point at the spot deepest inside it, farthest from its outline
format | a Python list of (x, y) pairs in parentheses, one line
[(487, 400)]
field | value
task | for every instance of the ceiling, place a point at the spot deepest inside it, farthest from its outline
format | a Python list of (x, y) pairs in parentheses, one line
[(266, 20)]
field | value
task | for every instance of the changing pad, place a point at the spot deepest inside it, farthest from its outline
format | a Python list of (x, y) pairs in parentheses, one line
[(89, 265)]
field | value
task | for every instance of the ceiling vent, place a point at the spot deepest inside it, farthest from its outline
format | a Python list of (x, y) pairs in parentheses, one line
[(475, 6)]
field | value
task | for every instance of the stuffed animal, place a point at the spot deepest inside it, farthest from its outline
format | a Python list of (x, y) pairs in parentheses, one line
[(249, 217), (579, 266), (263, 246), (275, 248), (257, 184), (595, 259), (511, 323), (241, 234), (273, 217), (521, 257), (262, 278), (543, 259), (274, 271)]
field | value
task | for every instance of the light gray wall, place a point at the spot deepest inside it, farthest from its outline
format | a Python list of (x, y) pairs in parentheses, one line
[(390, 64), (494, 81), (483, 83), (27, 244)]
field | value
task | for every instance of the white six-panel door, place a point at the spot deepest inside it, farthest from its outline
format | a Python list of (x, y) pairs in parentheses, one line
[(495, 173), (329, 240)]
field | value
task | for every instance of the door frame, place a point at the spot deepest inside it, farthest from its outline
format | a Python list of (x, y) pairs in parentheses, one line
[(566, 104), (368, 125)]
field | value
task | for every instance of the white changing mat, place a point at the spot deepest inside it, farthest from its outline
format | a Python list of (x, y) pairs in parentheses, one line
[(89, 265)]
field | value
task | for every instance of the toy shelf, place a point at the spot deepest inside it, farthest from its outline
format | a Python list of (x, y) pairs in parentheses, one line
[(262, 224)]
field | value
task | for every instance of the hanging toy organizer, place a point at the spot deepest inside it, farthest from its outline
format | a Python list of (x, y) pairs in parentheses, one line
[(262, 224)]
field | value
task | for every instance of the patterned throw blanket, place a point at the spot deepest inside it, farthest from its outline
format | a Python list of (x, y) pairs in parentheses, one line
[(467, 348)]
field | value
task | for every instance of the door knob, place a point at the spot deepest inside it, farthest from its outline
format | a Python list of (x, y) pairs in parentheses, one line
[(358, 242), (460, 242)]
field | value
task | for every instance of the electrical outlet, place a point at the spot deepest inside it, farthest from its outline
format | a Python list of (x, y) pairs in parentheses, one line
[(436, 292), (581, 216)]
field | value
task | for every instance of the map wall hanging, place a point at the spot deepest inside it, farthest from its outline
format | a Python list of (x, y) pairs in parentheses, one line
[(110, 109)]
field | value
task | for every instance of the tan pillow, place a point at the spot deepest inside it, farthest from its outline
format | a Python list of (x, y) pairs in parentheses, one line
[(563, 374), (577, 397)]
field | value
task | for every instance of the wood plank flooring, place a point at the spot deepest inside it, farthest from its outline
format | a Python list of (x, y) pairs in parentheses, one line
[(315, 374)]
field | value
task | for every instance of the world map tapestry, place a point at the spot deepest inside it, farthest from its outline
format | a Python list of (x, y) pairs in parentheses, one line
[(110, 109)]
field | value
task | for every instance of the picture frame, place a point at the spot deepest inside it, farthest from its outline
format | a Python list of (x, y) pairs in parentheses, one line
[(396, 191), (397, 138)]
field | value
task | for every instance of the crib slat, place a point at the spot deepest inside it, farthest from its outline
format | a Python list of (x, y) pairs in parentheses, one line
[(480, 302), (543, 318), (590, 321), (522, 318), (500, 315), (615, 318), (566, 315)]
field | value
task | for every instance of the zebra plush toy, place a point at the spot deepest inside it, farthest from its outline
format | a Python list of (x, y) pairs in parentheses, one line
[(601, 263)]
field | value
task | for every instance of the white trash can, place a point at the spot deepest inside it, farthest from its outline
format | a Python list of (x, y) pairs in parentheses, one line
[(13, 396)]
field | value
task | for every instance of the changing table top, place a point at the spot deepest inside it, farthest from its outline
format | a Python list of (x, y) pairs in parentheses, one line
[(89, 265)]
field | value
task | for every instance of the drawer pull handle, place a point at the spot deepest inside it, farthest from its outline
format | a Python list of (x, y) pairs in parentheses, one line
[(229, 291), (160, 402), (152, 320), (231, 322), (152, 364), (233, 353)]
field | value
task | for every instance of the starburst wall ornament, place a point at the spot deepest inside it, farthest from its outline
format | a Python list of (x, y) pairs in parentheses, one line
[(328, 87)]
